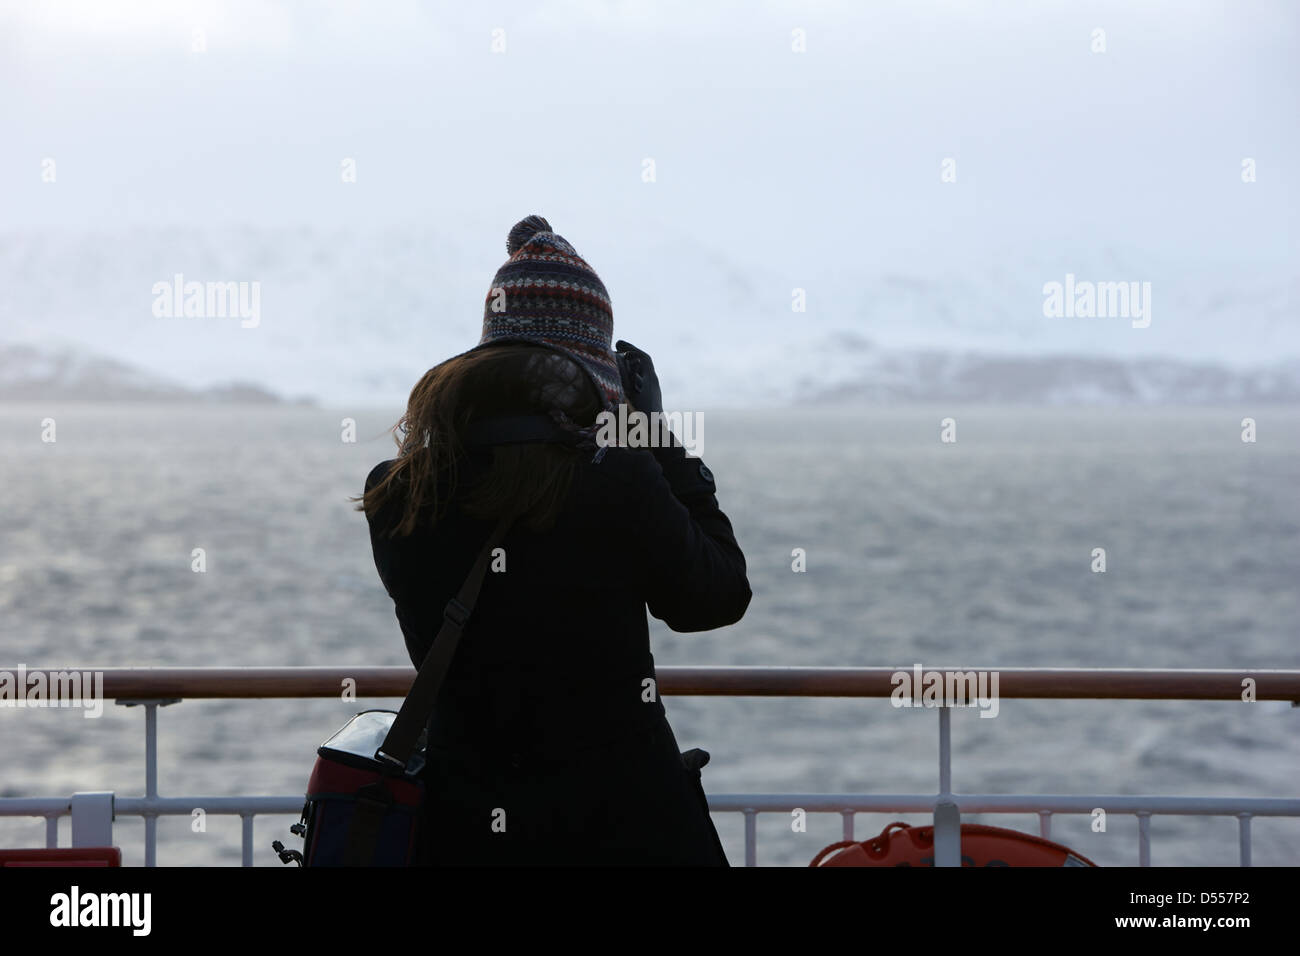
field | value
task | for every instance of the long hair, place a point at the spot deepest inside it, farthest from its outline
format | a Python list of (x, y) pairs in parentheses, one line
[(532, 480)]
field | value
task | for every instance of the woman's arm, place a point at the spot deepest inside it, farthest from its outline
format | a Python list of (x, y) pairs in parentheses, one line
[(694, 571)]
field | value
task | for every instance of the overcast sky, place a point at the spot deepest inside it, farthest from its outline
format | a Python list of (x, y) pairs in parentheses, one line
[(825, 160)]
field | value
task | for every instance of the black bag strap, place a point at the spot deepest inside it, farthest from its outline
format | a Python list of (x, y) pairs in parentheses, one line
[(416, 710)]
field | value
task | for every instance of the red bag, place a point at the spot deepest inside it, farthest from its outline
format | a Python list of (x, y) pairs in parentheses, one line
[(365, 795), (360, 812), (980, 846)]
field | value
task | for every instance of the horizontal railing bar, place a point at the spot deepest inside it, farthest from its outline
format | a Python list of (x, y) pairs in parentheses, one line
[(141, 683), (1125, 804), (1005, 803), (184, 806)]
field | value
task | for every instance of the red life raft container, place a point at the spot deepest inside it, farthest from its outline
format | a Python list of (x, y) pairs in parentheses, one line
[(63, 856), (902, 845)]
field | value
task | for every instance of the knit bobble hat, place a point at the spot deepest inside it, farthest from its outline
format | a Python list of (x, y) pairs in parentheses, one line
[(547, 294)]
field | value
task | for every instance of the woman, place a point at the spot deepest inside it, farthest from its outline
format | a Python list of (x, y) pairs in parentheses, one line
[(549, 743)]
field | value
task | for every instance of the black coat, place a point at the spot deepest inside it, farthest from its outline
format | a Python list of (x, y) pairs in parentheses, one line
[(549, 743)]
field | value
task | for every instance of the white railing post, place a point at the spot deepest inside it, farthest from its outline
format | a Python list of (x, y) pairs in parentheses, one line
[(1243, 835), (947, 817), (150, 770), (151, 780), (246, 820), (848, 816), (1144, 837), (751, 837), (92, 818)]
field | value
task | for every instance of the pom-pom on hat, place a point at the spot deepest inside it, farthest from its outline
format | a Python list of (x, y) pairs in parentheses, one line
[(547, 294)]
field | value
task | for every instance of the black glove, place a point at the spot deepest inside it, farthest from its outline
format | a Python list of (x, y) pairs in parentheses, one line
[(640, 383)]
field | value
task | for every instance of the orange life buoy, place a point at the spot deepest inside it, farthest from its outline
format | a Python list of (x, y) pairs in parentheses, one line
[(902, 845)]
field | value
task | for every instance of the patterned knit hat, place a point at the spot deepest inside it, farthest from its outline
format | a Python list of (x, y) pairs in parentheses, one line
[(546, 294)]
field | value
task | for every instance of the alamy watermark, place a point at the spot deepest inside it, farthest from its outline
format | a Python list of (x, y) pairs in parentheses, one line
[(40, 688), (177, 299), (74, 908), (630, 428), (922, 688), (1098, 300)]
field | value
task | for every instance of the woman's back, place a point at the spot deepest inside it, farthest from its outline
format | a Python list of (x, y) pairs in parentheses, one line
[(548, 741), (558, 648)]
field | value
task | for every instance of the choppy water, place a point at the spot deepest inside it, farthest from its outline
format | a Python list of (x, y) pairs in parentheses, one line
[(976, 553)]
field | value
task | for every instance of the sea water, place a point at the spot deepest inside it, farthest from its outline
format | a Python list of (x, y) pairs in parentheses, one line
[(979, 552)]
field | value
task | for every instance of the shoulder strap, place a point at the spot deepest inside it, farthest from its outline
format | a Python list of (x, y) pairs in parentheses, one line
[(416, 710)]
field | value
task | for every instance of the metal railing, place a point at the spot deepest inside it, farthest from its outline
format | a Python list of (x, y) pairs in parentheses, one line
[(92, 813)]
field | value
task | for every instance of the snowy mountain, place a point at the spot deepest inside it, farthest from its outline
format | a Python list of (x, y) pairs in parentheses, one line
[(356, 315), (31, 374), (926, 376), (879, 377)]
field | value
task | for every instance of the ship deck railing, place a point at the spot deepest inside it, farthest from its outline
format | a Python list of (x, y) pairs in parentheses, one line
[(92, 812)]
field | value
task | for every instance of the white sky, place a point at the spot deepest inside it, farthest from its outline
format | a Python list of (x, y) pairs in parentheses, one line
[(820, 162)]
